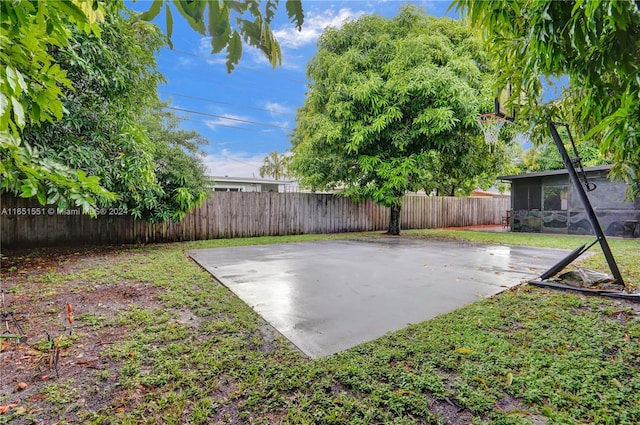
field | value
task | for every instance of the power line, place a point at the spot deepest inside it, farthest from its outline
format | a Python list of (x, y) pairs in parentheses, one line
[(228, 118), (184, 52), (225, 103), (237, 160), (221, 125)]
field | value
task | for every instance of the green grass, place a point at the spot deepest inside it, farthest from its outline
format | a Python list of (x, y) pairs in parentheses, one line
[(523, 355)]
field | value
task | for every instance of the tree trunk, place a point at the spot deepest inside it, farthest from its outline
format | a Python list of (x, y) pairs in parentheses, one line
[(394, 221)]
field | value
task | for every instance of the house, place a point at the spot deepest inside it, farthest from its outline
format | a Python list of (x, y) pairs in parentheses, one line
[(245, 184), (547, 202), (491, 193)]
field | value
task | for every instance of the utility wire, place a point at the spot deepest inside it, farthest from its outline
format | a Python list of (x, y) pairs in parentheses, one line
[(183, 118), (227, 118), (224, 103), (237, 160), (184, 52)]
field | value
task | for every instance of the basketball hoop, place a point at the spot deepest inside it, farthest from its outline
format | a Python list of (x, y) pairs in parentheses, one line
[(490, 124)]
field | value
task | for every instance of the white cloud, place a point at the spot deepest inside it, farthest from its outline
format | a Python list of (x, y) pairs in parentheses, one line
[(284, 124), (314, 25), (276, 108), (204, 51), (234, 164), (173, 104), (288, 37), (291, 61), (184, 62), (226, 120), (254, 56)]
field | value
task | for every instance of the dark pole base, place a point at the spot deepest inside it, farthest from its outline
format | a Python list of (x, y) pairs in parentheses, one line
[(586, 291)]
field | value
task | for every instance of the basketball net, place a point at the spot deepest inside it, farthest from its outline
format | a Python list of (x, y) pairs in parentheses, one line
[(490, 124)]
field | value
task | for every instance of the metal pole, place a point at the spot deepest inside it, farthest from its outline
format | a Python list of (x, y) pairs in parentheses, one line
[(587, 204)]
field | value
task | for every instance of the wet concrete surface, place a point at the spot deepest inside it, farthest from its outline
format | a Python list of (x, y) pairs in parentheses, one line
[(332, 295)]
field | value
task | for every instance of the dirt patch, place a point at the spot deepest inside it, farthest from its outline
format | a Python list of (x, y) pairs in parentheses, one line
[(511, 406), (449, 411), (59, 368)]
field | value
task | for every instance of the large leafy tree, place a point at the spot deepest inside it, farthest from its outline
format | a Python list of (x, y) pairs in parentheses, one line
[(114, 126), (391, 108), (473, 166), (114, 77), (33, 86), (596, 44)]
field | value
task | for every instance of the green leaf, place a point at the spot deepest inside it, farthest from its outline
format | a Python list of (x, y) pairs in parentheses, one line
[(152, 12), (250, 30), (72, 11), (11, 78), (295, 13), (35, 112), (219, 43), (193, 12), (4, 103), (238, 6), (18, 112), (21, 82), (169, 21), (270, 10), (234, 51), (42, 197), (219, 27), (28, 189), (218, 18)]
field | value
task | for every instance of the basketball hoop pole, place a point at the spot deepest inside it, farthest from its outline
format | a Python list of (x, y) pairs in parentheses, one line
[(582, 194), (500, 111)]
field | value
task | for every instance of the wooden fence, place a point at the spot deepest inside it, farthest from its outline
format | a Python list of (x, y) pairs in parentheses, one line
[(26, 224)]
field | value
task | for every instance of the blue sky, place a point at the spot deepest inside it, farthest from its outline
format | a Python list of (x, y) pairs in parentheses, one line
[(251, 111)]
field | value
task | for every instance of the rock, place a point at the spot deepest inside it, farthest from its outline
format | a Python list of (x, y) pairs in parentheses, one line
[(587, 278), (20, 386)]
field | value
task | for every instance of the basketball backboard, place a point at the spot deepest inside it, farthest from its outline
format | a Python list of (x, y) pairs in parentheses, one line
[(502, 97)]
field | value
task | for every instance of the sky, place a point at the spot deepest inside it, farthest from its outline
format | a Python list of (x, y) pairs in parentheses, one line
[(250, 112)]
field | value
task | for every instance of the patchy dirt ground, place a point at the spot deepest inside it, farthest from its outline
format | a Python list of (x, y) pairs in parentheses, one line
[(59, 367), (61, 343), (62, 370)]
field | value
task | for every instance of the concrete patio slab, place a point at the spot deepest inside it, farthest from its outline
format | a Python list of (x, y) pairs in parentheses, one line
[(332, 295)]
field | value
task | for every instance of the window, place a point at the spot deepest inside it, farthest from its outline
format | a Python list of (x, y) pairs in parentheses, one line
[(555, 198), (527, 195)]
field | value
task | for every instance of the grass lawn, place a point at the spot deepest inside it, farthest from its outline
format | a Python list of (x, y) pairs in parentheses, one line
[(155, 339)]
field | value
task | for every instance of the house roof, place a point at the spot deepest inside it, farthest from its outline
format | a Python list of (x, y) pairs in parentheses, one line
[(227, 179), (553, 173)]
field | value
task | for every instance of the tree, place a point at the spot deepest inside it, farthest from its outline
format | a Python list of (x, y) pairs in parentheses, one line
[(115, 126), (115, 78), (178, 164), (33, 84), (474, 166), (391, 106), (596, 44), (275, 165), (546, 156)]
